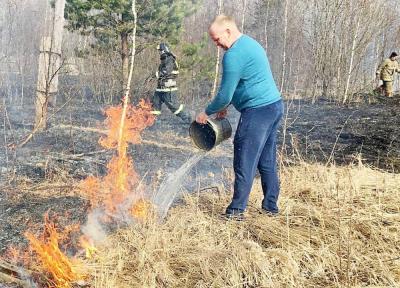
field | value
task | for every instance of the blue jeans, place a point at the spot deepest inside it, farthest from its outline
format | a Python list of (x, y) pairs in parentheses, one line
[(255, 148)]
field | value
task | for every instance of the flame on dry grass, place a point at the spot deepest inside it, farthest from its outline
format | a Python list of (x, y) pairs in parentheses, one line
[(141, 209), (137, 119), (112, 190), (108, 192), (339, 224), (87, 244), (63, 270)]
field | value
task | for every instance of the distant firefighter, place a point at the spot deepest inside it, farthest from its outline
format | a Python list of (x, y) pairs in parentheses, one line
[(386, 73), (166, 91)]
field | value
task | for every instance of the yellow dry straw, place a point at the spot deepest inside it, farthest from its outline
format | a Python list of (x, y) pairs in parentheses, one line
[(338, 227)]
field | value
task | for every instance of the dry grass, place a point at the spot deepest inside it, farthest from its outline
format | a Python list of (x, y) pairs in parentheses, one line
[(338, 227)]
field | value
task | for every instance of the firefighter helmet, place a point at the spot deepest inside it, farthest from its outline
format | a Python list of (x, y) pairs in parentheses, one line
[(163, 48)]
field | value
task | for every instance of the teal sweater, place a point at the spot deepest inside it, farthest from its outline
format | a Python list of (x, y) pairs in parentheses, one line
[(247, 80)]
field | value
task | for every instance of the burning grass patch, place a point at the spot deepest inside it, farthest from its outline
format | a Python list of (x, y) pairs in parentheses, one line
[(337, 227)]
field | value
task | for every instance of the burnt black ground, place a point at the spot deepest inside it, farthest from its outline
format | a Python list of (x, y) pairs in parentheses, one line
[(322, 132), (325, 132)]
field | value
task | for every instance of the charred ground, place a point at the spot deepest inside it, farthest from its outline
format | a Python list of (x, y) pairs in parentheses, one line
[(43, 174)]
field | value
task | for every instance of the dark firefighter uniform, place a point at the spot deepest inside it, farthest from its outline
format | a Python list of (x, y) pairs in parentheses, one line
[(166, 91)]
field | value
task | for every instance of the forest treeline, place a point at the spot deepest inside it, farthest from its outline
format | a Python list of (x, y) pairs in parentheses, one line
[(317, 48)]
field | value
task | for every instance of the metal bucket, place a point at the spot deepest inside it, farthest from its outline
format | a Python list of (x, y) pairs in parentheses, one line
[(207, 136)]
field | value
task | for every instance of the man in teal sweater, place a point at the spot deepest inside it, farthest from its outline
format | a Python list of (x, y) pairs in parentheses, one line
[(247, 83)]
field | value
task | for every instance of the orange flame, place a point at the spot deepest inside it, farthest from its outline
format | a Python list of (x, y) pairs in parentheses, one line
[(61, 268), (121, 179), (141, 209), (137, 119), (112, 190), (108, 192), (87, 244)]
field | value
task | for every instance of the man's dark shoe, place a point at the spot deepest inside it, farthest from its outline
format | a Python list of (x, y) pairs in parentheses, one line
[(269, 212), (234, 214)]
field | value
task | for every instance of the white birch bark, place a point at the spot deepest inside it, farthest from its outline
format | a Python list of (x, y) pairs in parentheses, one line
[(215, 83), (353, 48), (284, 46)]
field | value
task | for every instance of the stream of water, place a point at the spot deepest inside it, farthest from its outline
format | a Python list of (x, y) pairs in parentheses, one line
[(170, 188)]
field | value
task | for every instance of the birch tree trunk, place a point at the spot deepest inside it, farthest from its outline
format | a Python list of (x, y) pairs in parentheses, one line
[(57, 36), (284, 46), (125, 59), (243, 15), (265, 27), (49, 65), (215, 83), (42, 87), (120, 147), (353, 48)]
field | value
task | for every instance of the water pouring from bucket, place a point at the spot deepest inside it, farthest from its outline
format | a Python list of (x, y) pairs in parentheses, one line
[(207, 136)]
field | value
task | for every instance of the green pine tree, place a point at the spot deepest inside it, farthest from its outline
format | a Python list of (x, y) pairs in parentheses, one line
[(111, 22)]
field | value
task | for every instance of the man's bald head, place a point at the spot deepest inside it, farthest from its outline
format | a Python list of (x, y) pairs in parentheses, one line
[(223, 31), (223, 21)]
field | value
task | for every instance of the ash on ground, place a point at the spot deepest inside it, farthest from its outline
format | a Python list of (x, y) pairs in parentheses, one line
[(42, 175)]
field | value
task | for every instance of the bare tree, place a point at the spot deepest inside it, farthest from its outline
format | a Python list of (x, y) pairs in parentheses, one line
[(285, 28), (243, 15), (49, 66), (316, 48), (218, 58)]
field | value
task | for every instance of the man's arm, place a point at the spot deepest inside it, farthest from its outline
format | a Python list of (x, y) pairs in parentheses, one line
[(230, 78)]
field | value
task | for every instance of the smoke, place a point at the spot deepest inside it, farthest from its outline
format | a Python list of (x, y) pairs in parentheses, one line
[(93, 227), (96, 227), (26, 278)]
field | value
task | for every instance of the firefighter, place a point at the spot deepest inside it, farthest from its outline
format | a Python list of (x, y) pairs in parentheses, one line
[(386, 73), (166, 91)]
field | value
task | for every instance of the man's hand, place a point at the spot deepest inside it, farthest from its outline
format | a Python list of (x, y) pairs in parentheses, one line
[(202, 118), (222, 114)]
